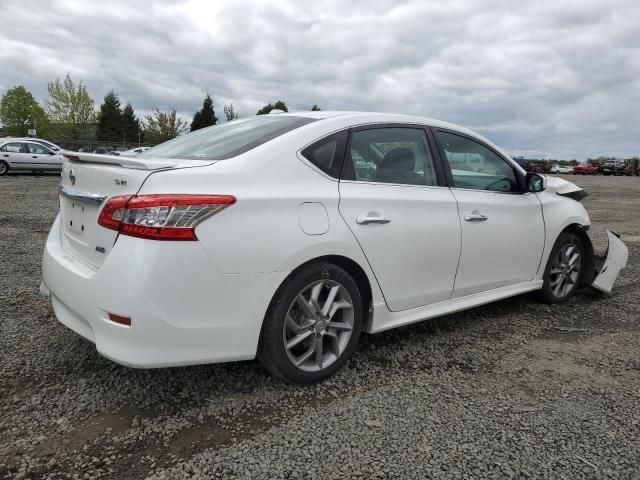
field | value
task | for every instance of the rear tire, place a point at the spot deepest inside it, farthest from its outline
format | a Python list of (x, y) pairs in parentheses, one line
[(564, 271), (312, 325), (4, 168)]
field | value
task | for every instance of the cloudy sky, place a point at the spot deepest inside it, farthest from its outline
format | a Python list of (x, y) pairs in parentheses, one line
[(544, 78)]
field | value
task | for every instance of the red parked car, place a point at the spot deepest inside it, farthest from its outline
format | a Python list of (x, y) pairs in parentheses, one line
[(585, 169)]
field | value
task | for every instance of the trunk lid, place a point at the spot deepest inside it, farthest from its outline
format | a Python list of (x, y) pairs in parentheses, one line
[(87, 182)]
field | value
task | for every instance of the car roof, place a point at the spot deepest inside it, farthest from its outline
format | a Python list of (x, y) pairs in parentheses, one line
[(363, 118)]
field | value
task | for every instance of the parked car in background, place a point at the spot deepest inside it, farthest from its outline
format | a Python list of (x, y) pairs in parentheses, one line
[(283, 237), (525, 164), (585, 169), (134, 152), (613, 167), (27, 155), (561, 169)]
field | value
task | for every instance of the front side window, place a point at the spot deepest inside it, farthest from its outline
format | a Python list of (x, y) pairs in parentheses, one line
[(37, 149), (391, 155), (475, 166), (13, 147), (227, 140)]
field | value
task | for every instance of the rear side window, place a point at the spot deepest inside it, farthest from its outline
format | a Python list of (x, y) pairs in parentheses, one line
[(13, 147), (327, 154), (227, 140), (390, 155)]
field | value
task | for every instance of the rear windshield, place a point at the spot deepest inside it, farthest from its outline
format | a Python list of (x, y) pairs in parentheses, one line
[(228, 139)]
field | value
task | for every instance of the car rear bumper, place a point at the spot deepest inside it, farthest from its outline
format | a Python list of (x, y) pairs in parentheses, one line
[(183, 311), (610, 265)]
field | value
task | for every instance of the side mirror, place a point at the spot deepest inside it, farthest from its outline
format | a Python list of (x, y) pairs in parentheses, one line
[(51, 153), (536, 183)]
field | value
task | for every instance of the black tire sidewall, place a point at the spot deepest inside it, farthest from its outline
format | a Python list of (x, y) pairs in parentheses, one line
[(271, 350), (6, 168), (546, 293)]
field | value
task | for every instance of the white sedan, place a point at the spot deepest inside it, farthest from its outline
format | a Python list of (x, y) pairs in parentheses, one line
[(285, 236), (561, 169)]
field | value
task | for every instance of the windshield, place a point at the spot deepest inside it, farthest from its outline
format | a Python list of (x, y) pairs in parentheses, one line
[(227, 140)]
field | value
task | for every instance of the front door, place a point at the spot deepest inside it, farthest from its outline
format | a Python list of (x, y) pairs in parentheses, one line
[(43, 158), (502, 227), (404, 219)]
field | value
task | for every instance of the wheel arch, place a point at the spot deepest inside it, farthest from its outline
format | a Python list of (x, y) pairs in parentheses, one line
[(590, 264), (354, 269)]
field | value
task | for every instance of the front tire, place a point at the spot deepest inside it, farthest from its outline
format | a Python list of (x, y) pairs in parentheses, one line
[(4, 168), (564, 271), (312, 325)]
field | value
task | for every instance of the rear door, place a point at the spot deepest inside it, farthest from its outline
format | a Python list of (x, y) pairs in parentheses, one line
[(14, 153), (406, 222), (502, 226)]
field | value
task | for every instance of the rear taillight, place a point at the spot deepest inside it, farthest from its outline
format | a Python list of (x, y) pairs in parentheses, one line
[(161, 217)]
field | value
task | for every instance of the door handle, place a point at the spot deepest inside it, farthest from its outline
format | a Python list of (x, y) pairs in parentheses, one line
[(475, 216), (367, 219), (34, 156), (6, 155)]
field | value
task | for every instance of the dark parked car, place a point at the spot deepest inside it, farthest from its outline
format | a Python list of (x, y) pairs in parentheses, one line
[(524, 163), (613, 167)]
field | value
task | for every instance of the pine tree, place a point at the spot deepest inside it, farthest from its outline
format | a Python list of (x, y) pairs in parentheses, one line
[(110, 121), (315, 108), (205, 117), (131, 125)]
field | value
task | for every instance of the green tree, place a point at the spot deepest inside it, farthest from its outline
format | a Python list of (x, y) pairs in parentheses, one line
[(279, 105), (71, 108), (131, 125), (163, 126), (205, 117), (110, 126), (315, 108), (230, 112), (19, 112)]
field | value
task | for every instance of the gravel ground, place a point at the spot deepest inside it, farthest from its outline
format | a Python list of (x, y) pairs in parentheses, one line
[(515, 389)]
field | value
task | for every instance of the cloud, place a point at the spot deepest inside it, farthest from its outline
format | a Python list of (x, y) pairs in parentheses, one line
[(542, 78)]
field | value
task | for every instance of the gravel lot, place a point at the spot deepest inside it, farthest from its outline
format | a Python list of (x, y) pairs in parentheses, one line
[(515, 389)]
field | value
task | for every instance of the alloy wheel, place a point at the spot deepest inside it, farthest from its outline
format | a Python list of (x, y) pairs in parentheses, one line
[(565, 270), (318, 325)]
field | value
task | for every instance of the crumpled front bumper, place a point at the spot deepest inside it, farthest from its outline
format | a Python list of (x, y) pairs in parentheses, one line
[(609, 266)]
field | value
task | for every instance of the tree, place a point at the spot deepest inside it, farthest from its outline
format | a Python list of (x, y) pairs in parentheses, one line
[(230, 112), (162, 126), (205, 117), (70, 107), (279, 105), (315, 108), (131, 125), (110, 126), (19, 112)]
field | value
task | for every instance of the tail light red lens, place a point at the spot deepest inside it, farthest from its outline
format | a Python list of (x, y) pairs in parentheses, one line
[(161, 217)]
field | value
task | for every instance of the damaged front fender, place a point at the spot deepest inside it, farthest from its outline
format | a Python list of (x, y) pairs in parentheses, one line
[(609, 266)]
